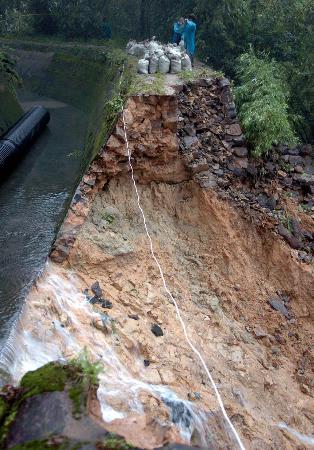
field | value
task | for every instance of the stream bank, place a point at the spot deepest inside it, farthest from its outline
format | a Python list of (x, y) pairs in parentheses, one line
[(34, 197)]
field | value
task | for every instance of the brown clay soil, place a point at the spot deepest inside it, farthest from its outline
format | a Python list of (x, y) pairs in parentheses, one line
[(223, 267)]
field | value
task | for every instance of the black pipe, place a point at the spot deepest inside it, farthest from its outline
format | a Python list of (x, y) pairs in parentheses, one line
[(18, 139)]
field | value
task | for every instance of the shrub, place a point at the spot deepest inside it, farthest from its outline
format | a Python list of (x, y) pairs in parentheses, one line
[(8, 75), (262, 99)]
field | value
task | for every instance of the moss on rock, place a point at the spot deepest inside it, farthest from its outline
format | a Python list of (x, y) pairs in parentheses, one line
[(49, 378)]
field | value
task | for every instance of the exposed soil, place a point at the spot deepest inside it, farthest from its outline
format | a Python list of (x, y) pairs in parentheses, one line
[(245, 296)]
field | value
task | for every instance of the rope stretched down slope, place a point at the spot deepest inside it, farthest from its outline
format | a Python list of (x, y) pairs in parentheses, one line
[(191, 345)]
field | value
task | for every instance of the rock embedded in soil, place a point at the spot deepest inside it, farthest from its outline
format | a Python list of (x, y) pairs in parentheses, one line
[(278, 305), (156, 330), (106, 304), (134, 316), (287, 235), (97, 289)]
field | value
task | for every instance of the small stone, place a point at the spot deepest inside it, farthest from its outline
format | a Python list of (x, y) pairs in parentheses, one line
[(234, 130), (93, 300), (292, 240), (198, 166), (97, 289), (214, 303), (306, 150), (275, 351), (241, 152), (194, 396), (305, 389), (299, 169), (190, 141), (156, 330), (268, 382), (278, 305), (259, 334), (134, 317), (190, 130), (282, 174), (106, 304)]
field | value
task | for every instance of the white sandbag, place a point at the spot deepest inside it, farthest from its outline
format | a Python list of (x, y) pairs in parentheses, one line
[(173, 53), (164, 64), (159, 52), (153, 64), (153, 47), (129, 45), (138, 50), (182, 46), (186, 63), (175, 66), (143, 66)]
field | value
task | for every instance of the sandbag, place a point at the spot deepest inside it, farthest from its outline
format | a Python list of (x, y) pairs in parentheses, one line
[(154, 47), (129, 45), (182, 46), (175, 66), (186, 63), (164, 64), (138, 50), (143, 66), (153, 64)]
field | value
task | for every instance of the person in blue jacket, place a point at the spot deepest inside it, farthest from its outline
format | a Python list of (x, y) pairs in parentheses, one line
[(190, 35), (178, 29)]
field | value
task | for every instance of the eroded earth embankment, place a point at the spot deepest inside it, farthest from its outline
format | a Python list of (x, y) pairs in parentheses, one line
[(246, 295)]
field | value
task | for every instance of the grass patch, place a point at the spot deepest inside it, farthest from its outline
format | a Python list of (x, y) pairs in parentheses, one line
[(189, 76), (148, 84), (113, 442), (85, 375)]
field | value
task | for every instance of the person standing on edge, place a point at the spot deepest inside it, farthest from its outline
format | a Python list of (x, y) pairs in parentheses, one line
[(189, 36), (178, 28)]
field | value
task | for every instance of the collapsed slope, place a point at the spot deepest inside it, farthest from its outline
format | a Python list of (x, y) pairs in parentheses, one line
[(245, 295)]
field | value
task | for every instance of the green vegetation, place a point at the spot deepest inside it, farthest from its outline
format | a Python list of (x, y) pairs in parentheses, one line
[(198, 73), (76, 378), (85, 374), (8, 74), (262, 99), (155, 84), (113, 442), (10, 109), (282, 29), (87, 371), (49, 378)]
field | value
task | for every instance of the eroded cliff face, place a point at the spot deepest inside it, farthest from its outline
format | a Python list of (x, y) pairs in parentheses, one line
[(245, 295)]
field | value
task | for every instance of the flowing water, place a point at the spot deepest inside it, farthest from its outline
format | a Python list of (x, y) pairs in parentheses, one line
[(33, 199), (68, 325)]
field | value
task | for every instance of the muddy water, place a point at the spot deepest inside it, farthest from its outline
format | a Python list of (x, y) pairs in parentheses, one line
[(33, 199)]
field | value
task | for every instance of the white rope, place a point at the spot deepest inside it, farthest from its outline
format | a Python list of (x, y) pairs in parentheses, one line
[(220, 402)]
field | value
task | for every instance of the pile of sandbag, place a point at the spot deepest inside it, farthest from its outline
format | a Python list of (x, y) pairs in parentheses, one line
[(155, 57)]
